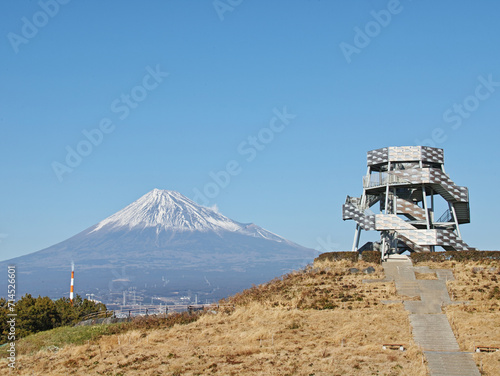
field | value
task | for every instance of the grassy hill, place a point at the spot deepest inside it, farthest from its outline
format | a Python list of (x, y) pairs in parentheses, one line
[(319, 321)]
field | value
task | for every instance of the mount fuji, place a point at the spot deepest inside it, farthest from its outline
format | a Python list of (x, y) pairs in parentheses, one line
[(161, 244)]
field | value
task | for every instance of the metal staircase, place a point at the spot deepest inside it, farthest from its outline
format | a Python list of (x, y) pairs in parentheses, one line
[(405, 181)]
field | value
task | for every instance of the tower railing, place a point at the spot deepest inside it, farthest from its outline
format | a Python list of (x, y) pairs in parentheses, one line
[(447, 216), (381, 179)]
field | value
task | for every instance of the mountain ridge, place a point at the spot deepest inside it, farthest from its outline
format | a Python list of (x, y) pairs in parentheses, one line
[(170, 210), (162, 236)]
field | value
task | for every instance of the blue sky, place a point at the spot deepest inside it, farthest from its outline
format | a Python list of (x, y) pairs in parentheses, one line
[(221, 72)]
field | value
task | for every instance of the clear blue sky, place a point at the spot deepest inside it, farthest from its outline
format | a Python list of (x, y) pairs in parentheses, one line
[(228, 70)]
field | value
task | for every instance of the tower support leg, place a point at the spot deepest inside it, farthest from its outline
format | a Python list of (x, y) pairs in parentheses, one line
[(383, 247), (357, 233), (455, 219)]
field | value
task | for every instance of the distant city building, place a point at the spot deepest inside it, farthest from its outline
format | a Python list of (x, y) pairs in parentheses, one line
[(408, 184)]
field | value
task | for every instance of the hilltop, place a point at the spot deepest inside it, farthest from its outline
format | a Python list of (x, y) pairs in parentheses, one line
[(322, 320)]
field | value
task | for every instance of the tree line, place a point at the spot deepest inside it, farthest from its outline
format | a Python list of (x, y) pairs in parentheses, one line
[(38, 314)]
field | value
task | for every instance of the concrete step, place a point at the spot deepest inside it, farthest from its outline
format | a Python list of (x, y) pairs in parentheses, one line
[(445, 274), (419, 307), (408, 283), (396, 257), (392, 263), (451, 364), (408, 291), (407, 288), (433, 332), (431, 329), (434, 291), (441, 274), (423, 269), (399, 271)]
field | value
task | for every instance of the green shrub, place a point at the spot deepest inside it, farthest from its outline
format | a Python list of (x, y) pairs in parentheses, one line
[(458, 256), (368, 256), (40, 314), (371, 256), (335, 256)]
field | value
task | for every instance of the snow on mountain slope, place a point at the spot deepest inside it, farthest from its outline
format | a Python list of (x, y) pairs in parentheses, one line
[(170, 210)]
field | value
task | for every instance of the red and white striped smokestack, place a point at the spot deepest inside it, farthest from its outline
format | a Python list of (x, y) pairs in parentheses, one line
[(72, 282)]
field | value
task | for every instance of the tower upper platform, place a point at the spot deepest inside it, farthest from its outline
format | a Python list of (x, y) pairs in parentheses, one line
[(425, 154)]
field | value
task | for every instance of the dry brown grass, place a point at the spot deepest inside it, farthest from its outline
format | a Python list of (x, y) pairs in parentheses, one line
[(425, 275), (476, 282), (322, 321), (327, 285)]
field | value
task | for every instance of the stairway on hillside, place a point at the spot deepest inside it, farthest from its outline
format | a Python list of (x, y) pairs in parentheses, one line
[(430, 327)]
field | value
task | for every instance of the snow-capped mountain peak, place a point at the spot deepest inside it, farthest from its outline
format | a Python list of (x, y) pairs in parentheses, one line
[(169, 210), (163, 234)]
